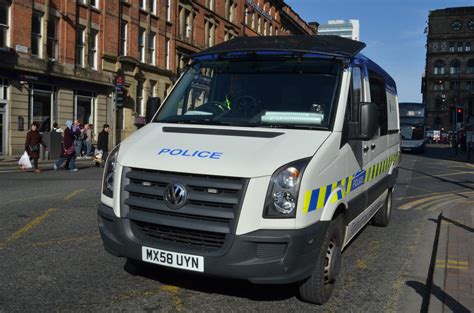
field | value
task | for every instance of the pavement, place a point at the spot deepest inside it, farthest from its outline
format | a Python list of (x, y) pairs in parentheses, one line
[(9, 164)]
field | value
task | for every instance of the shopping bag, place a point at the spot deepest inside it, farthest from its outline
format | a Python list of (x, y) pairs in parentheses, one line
[(24, 161), (98, 155)]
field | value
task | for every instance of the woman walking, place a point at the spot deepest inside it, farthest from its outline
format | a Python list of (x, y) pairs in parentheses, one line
[(69, 150), (32, 145)]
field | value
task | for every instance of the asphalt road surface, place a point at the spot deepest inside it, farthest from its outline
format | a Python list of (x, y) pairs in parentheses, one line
[(52, 256)]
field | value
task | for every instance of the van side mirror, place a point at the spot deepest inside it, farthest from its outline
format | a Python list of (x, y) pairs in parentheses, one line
[(152, 106), (369, 120), (368, 123)]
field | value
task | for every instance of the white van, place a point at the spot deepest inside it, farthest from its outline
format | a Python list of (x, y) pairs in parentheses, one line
[(265, 160)]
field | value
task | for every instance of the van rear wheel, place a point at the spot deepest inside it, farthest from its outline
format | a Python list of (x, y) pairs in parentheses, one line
[(319, 286), (382, 217)]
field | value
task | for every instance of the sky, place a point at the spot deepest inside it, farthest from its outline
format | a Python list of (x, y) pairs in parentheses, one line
[(392, 29)]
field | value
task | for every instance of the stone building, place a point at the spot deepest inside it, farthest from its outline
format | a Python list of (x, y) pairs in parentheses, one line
[(448, 83), (59, 58)]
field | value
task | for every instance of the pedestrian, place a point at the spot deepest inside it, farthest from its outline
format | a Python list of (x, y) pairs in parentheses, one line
[(56, 128), (77, 132), (88, 140), (68, 153), (32, 145), (103, 142)]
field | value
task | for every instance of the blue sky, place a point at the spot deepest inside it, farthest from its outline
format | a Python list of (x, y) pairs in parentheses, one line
[(392, 30)]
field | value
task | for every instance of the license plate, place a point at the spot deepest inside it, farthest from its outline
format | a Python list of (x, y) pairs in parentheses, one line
[(173, 259)]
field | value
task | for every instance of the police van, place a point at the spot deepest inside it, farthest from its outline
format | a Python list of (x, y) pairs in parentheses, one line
[(269, 155)]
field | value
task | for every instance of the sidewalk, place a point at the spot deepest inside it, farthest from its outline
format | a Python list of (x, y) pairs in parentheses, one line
[(10, 163), (445, 152), (452, 287)]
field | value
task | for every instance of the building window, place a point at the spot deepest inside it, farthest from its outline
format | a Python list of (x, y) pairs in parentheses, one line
[(246, 17), (94, 3), (123, 38), (4, 89), (467, 48), (4, 24), (439, 67), (141, 44), (152, 6), (140, 102), (151, 48), (80, 43), (230, 8), (168, 10), (52, 42), (142, 4), (451, 47), (265, 28), (42, 106), (271, 30), (470, 66), (84, 107), (454, 85), (209, 29), (455, 67), (210, 4), (167, 53), (36, 31), (438, 86), (460, 46), (185, 24), (93, 40), (259, 24)]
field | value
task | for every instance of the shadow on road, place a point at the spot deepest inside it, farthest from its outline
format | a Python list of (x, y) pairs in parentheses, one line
[(464, 184), (196, 282), (428, 288)]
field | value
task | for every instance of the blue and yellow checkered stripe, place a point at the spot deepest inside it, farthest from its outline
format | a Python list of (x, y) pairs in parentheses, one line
[(316, 199)]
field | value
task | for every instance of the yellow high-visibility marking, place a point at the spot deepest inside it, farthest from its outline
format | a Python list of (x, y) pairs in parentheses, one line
[(307, 199), (27, 227), (73, 194), (321, 197)]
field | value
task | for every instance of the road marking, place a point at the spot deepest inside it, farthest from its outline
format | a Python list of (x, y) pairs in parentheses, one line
[(412, 204), (174, 291), (67, 240), (361, 264), (458, 191), (73, 194), (455, 262), (27, 227), (444, 175), (427, 201)]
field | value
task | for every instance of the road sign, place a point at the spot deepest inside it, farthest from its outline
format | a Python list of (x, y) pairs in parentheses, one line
[(119, 98), (119, 81)]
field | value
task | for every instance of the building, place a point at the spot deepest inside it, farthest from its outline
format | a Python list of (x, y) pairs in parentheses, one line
[(60, 58), (347, 29), (448, 82)]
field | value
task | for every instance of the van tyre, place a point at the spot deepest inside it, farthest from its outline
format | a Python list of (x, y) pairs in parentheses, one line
[(382, 217), (319, 286)]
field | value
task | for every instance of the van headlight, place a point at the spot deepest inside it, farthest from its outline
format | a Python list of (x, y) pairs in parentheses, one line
[(282, 195), (109, 173)]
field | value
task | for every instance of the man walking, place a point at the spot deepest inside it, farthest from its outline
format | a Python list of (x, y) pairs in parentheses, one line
[(103, 143)]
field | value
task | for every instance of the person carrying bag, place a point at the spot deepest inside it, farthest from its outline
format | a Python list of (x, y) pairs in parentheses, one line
[(32, 145)]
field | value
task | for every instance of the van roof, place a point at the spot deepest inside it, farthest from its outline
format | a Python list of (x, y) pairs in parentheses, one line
[(326, 45)]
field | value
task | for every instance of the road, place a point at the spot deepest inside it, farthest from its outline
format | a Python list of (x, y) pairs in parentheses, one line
[(52, 256)]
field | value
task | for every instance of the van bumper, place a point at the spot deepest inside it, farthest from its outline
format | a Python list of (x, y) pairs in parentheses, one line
[(262, 256)]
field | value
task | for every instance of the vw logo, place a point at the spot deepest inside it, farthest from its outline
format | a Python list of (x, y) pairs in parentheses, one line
[(175, 195)]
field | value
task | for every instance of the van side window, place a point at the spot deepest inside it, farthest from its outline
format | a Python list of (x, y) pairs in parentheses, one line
[(378, 95), (356, 93)]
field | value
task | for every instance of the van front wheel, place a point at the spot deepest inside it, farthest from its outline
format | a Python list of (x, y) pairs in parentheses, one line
[(319, 286)]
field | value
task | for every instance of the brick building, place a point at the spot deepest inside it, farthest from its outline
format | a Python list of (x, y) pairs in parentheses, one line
[(59, 58), (448, 83)]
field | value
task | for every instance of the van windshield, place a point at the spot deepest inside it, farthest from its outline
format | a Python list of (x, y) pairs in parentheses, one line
[(288, 93)]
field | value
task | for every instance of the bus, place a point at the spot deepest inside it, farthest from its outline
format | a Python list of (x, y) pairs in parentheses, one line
[(412, 126)]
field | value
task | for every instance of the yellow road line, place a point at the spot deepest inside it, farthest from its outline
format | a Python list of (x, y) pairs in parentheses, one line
[(172, 290), (455, 262), (459, 191), (27, 227), (73, 194), (444, 175), (67, 240), (412, 204), (452, 266)]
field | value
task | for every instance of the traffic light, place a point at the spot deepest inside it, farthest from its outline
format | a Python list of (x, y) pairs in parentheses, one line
[(459, 115)]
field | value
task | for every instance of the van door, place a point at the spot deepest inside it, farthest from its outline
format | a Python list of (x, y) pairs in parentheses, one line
[(358, 154), (377, 179)]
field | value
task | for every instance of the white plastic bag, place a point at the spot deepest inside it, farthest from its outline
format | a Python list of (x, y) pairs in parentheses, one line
[(98, 155), (24, 161)]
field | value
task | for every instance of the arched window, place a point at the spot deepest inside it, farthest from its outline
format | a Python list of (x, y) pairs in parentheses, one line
[(470, 66), (454, 67), (439, 67)]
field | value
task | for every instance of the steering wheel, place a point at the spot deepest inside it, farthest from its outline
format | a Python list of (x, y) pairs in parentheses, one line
[(214, 107), (246, 105)]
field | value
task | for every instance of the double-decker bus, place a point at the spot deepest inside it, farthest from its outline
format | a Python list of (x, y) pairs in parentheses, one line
[(412, 126)]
